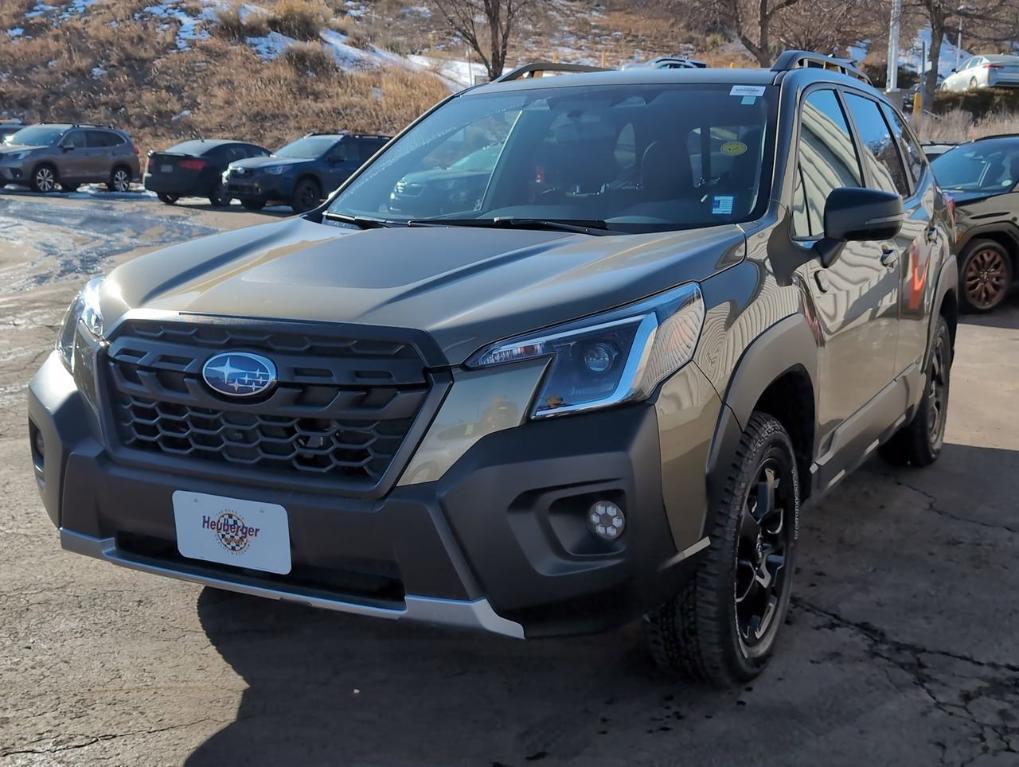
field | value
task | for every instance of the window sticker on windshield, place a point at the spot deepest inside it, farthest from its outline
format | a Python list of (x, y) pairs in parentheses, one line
[(734, 148), (747, 90), (748, 100), (721, 205)]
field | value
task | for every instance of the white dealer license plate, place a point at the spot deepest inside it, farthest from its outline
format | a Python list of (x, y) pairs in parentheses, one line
[(232, 532)]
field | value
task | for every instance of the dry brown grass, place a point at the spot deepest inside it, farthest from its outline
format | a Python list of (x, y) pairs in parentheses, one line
[(217, 88), (233, 27), (957, 126), (300, 19)]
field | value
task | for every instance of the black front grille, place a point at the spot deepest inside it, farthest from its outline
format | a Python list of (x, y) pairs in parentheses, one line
[(342, 409)]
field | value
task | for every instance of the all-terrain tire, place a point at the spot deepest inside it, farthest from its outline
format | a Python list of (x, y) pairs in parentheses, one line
[(697, 633), (919, 442)]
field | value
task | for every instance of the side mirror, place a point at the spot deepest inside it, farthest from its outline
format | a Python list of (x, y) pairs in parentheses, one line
[(858, 215)]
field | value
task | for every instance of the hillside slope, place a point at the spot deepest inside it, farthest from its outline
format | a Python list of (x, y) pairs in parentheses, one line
[(166, 69)]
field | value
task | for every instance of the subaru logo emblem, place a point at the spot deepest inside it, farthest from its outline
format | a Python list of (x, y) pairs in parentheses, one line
[(239, 374)]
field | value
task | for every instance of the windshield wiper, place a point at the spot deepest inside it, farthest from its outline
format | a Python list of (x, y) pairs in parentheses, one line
[(359, 221), (594, 227)]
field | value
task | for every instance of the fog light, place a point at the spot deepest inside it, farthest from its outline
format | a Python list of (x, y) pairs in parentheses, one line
[(606, 520)]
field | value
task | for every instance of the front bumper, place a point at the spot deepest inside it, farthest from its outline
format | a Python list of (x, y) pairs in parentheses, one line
[(498, 542), (12, 173), (260, 187)]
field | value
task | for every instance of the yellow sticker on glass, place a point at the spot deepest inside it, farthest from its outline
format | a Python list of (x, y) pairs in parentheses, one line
[(734, 148)]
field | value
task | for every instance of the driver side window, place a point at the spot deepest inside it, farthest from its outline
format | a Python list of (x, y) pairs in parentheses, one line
[(827, 160)]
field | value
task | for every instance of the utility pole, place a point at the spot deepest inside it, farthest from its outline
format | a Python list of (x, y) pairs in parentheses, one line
[(958, 41), (892, 80)]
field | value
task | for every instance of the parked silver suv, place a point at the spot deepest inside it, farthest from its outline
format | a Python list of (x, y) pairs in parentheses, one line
[(44, 156)]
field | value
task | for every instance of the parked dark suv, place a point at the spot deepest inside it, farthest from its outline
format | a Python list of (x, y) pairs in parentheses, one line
[(982, 178), (688, 301), (301, 173), (47, 155)]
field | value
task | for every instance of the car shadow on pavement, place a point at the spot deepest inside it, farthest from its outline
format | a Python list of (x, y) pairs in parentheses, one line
[(326, 688), (1006, 316)]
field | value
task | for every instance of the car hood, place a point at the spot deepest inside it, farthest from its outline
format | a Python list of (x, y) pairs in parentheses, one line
[(966, 197), (466, 287), (13, 148), (256, 163)]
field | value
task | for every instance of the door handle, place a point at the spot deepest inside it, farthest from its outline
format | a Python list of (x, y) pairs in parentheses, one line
[(889, 258)]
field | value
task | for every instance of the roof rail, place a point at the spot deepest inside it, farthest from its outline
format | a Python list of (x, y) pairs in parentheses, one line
[(536, 69), (997, 135), (789, 60)]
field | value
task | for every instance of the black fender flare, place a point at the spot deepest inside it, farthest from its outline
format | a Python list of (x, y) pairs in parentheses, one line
[(948, 282), (788, 345)]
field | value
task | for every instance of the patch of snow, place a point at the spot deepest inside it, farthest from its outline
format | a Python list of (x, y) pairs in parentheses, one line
[(15, 32), (457, 73), (181, 115), (189, 29), (271, 45), (76, 8), (418, 10), (39, 9), (97, 72)]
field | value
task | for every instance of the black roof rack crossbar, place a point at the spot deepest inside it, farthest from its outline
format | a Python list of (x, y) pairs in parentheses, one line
[(789, 60), (536, 68), (677, 62)]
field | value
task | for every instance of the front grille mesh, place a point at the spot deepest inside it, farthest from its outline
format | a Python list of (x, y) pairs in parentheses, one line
[(342, 408)]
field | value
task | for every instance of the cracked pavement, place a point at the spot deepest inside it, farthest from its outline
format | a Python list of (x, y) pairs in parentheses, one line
[(900, 647)]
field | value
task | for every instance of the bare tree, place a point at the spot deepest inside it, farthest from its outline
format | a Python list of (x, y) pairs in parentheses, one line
[(985, 21), (485, 25)]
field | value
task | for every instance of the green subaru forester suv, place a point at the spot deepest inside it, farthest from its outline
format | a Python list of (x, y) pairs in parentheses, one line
[(597, 384)]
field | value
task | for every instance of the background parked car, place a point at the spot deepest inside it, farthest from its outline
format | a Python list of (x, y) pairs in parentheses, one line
[(991, 71), (195, 169), (982, 178), (44, 156), (303, 172), (8, 128), (444, 189)]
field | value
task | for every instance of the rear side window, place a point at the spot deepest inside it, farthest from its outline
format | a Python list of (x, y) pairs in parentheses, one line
[(827, 160), (907, 144), (99, 138), (879, 150), (345, 151), (369, 147)]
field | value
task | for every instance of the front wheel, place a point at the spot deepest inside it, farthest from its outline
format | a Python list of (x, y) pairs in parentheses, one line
[(168, 199), (306, 195), (723, 625), (919, 442), (44, 179)]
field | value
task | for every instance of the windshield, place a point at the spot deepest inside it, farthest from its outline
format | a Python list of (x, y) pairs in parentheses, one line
[(307, 148), (36, 135), (638, 158), (991, 166)]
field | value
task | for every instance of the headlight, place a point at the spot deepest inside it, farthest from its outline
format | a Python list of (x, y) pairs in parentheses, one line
[(15, 156), (618, 357), (276, 170), (84, 310)]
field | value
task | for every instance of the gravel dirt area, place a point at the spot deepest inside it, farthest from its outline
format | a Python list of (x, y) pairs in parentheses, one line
[(900, 649)]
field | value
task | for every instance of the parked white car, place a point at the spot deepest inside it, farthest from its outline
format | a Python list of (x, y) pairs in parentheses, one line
[(990, 71)]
